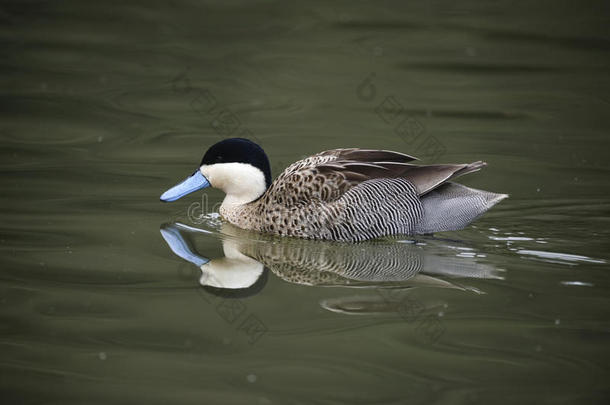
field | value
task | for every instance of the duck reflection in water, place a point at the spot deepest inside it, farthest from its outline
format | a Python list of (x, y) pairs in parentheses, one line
[(390, 265)]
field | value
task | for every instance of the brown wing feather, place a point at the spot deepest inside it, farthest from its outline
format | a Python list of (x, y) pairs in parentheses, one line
[(373, 155), (326, 176), (427, 178)]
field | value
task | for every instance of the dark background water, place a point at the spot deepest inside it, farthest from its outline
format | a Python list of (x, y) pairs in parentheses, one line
[(105, 105)]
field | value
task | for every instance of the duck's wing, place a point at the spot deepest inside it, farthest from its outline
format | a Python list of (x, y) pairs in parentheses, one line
[(328, 175)]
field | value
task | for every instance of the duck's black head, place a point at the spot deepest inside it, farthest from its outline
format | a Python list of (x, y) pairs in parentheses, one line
[(239, 150), (237, 166)]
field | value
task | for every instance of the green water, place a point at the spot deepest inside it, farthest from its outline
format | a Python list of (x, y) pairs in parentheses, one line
[(104, 106)]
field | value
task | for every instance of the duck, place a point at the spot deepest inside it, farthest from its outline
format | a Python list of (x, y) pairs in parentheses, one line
[(344, 195)]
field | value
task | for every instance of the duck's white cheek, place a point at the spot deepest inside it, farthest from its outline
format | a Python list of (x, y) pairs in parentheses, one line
[(239, 180), (210, 174), (249, 178)]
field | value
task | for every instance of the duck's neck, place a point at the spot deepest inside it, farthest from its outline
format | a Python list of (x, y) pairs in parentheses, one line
[(243, 184), (234, 202), (241, 211), (245, 216)]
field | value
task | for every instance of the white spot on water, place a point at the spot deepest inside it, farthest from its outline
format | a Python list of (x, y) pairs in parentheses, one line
[(466, 254), (578, 283), (251, 378), (409, 241), (510, 238), (459, 248), (560, 256)]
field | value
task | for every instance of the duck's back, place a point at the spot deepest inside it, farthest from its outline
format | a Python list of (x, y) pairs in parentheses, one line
[(359, 194)]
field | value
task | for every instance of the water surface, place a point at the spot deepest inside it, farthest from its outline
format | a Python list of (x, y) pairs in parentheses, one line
[(106, 105)]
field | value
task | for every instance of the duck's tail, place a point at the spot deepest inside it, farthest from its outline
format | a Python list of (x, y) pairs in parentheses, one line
[(453, 206), (469, 168)]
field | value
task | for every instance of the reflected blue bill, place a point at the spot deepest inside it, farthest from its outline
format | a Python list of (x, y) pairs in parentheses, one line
[(180, 247), (193, 183)]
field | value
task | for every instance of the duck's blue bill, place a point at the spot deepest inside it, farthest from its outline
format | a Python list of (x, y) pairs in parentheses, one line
[(180, 247), (193, 183)]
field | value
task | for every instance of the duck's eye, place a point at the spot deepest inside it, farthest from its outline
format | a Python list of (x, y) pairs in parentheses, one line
[(219, 158)]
